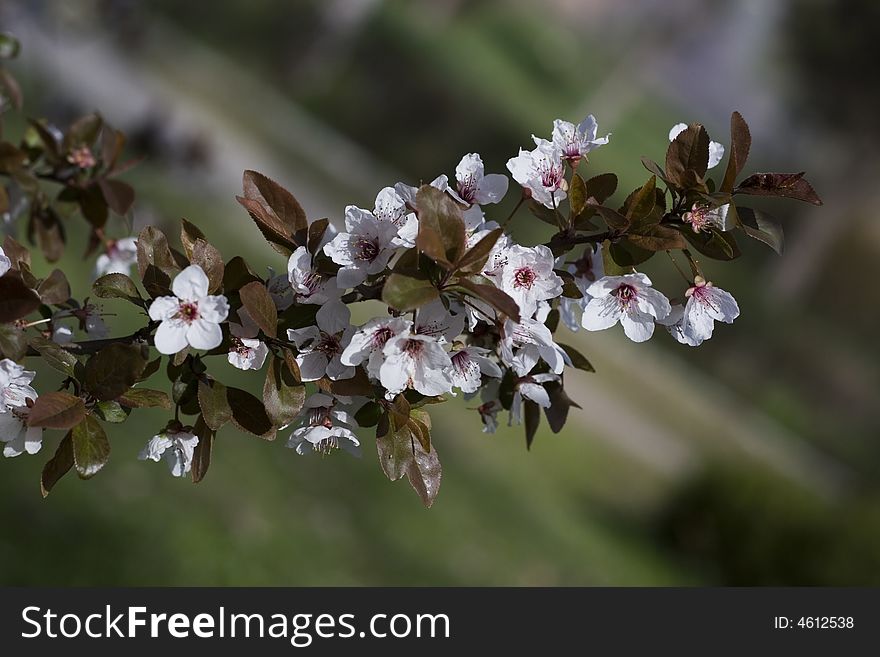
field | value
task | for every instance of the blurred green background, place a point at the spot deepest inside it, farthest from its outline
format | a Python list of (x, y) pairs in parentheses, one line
[(752, 460)]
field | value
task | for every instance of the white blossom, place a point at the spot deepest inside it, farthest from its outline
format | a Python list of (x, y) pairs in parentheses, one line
[(575, 141), (434, 320), (246, 352), (281, 290), (541, 173), (703, 217), (527, 276), (391, 207), (176, 446), (629, 299), (415, 361), (716, 150), (706, 304), (530, 388), (473, 186), (15, 388), (586, 270), (5, 262), (533, 342), (321, 347), (369, 340), (118, 258), (17, 437), (309, 286), (191, 317), (468, 366), (364, 248), (323, 425)]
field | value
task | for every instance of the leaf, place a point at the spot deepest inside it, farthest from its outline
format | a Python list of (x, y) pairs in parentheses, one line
[(209, 259), (560, 403), (609, 265), (788, 185), (738, 153), (627, 255), (58, 466), (93, 205), (83, 132), (496, 298), (761, 226), (112, 143), (654, 237), (189, 233), (119, 195), (91, 449), (17, 253), (117, 286), (17, 300), (441, 228), (531, 419), (201, 460), (613, 218), (145, 398), (276, 212), (13, 341), (11, 158), (424, 473), (689, 151), (653, 167), (357, 385), (258, 302), (113, 370), (249, 414), (54, 289), (56, 410), (156, 263), (12, 88), (578, 360), (475, 259), (316, 234), (283, 393), (55, 356), (640, 204), (46, 225), (543, 213), (112, 412), (714, 243), (577, 195), (404, 293), (238, 273)]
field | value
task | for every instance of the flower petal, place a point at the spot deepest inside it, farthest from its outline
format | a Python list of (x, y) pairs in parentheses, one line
[(191, 284), (204, 334)]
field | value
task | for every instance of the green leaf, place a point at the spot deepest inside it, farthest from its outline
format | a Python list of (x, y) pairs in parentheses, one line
[(189, 233), (475, 259), (713, 243), (689, 151), (117, 286), (13, 342), (145, 398), (441, 228), (738, 153), (761, 226), (578, 360), (404, 293), (119, 195), (577, 195), (114, 369), (58, 466), (55, 356), (17, 300), (202, 454), (283, 393), (368, 415), (609, 265), (258, 302), (91, 449), (112, 411), (54, 289), (56, 410), (249, 414), (787, 185), (496, 298)]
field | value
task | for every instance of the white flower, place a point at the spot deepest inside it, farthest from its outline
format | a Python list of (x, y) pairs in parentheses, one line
[(534, 342), (62, 334), (629, 299), (716, 150), (320, 347), (309, 286), (16, 436), (390, 206), (369, 340), (586, 270), (468, 364), (674, 324), (90, 321), (541, 173), (408, 192), (191, 317), (530, 388), (279, 287), (118, 258), (436, 321), (5, 262), (527, 276), (364, 249), (473, 186), (706, 304), (245, 351), (176, 446), (418, 362), (15, 388), (703, 217), (324, 425), (575, 141)]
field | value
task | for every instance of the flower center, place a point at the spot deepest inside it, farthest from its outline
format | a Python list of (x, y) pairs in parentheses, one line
[(584, 267), (414, 348), (188, 311), (697, 217), (625, 294), (366, 249), (328, 345), (326, 445), (320, 417), (524, 277), (551, 175), (239, 347), (381, 336), (463, 363), (467, 188)]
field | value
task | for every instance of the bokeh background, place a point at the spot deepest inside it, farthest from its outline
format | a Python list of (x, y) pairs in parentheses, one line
[(752, 460)]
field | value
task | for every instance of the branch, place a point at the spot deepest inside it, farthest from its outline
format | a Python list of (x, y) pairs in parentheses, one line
[(88, 347)]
